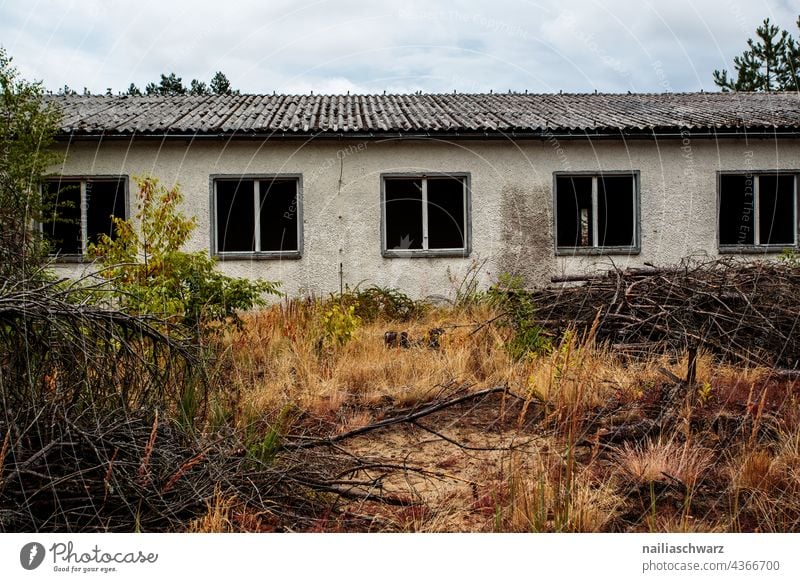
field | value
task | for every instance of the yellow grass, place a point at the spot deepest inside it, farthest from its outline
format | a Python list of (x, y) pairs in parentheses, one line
[(280, 369)]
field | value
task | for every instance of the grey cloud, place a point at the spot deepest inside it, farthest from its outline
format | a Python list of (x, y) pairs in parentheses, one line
[(340, 45)]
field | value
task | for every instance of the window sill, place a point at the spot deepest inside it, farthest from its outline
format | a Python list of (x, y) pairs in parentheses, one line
[(425, 254), (755, 249), (70, 259), (596, 251), (261, 256)]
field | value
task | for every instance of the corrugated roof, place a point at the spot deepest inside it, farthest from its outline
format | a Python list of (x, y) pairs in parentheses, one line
[(428, 113)]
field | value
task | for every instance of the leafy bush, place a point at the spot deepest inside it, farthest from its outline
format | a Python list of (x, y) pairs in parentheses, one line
[(28, 125), (339, 323), (149, 273), (509, 295), (376, 302)]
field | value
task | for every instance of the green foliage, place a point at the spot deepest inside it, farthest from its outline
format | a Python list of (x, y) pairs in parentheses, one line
[(467, 287), (266, 449), (339, 323), (149, 273), (705, 392), (28, 125), (220, 85), (133, 90), (376, 302), (510, 295), (790, 257), (171, 84), (770, 63)]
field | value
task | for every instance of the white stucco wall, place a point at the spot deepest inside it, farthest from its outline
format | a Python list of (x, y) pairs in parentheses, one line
[(512, 221)]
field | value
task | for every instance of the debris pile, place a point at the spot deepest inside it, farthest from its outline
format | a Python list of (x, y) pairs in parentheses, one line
[(745, 312)]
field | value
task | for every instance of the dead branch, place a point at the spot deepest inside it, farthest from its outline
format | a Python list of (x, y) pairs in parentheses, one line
[(410, 418)]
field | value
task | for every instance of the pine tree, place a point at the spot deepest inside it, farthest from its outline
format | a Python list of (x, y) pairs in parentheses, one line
[(770, 63), (170, 85), (198, 88), (133, 91), (220, 85)]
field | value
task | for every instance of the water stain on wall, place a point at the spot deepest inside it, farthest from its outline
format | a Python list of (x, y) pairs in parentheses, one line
[(526, 226)]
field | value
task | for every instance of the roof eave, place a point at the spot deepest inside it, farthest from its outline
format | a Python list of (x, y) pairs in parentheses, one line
[(535, 134)]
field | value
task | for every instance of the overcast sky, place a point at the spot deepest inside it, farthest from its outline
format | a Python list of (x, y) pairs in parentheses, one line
[(332, 46)]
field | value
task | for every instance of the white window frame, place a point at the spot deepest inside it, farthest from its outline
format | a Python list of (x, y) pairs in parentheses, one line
[(756, 246), (595, 247), (84, 208), (464, 251), (257, 179)]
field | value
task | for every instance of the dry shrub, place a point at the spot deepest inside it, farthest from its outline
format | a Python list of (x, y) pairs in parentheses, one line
[(277, 359), (659, 460), (754, 471), (547, 494), (217, 518)]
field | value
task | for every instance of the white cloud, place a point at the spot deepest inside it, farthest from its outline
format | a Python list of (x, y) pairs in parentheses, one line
[(341, 45)]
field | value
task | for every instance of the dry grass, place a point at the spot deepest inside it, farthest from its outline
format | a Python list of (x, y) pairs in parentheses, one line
[(656, 460), (277, 361), (549, 494), (725, 457)]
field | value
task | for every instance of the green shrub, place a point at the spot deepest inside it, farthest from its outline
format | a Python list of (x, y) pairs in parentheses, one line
[(339, 323), (149, 273), (376, 302), (527, 337)]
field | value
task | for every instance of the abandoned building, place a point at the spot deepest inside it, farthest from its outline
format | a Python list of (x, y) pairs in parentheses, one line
[(416, 191)]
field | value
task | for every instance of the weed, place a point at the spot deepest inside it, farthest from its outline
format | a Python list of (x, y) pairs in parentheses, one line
[(509, 295), (339, 324)]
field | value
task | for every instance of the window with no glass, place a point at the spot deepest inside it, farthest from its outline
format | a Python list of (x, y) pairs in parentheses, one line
[(257, 216), (596, 211), (425, 215), (80, 210), (757, 209)]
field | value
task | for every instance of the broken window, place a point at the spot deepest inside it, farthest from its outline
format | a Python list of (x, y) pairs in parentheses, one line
[(257, 215), (596, 211), (80, 211), (425, 213), (757, 209)]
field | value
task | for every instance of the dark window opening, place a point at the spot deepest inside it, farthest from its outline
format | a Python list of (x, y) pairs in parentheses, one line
[(611, 197), (278, 218), (574, 207), (425, 214), (737, 210), (63, 227), (615, 211), (757, 209), (257, 215), (776, 210), (104, 199), (235, 216), (445, 213), (403, 214)]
